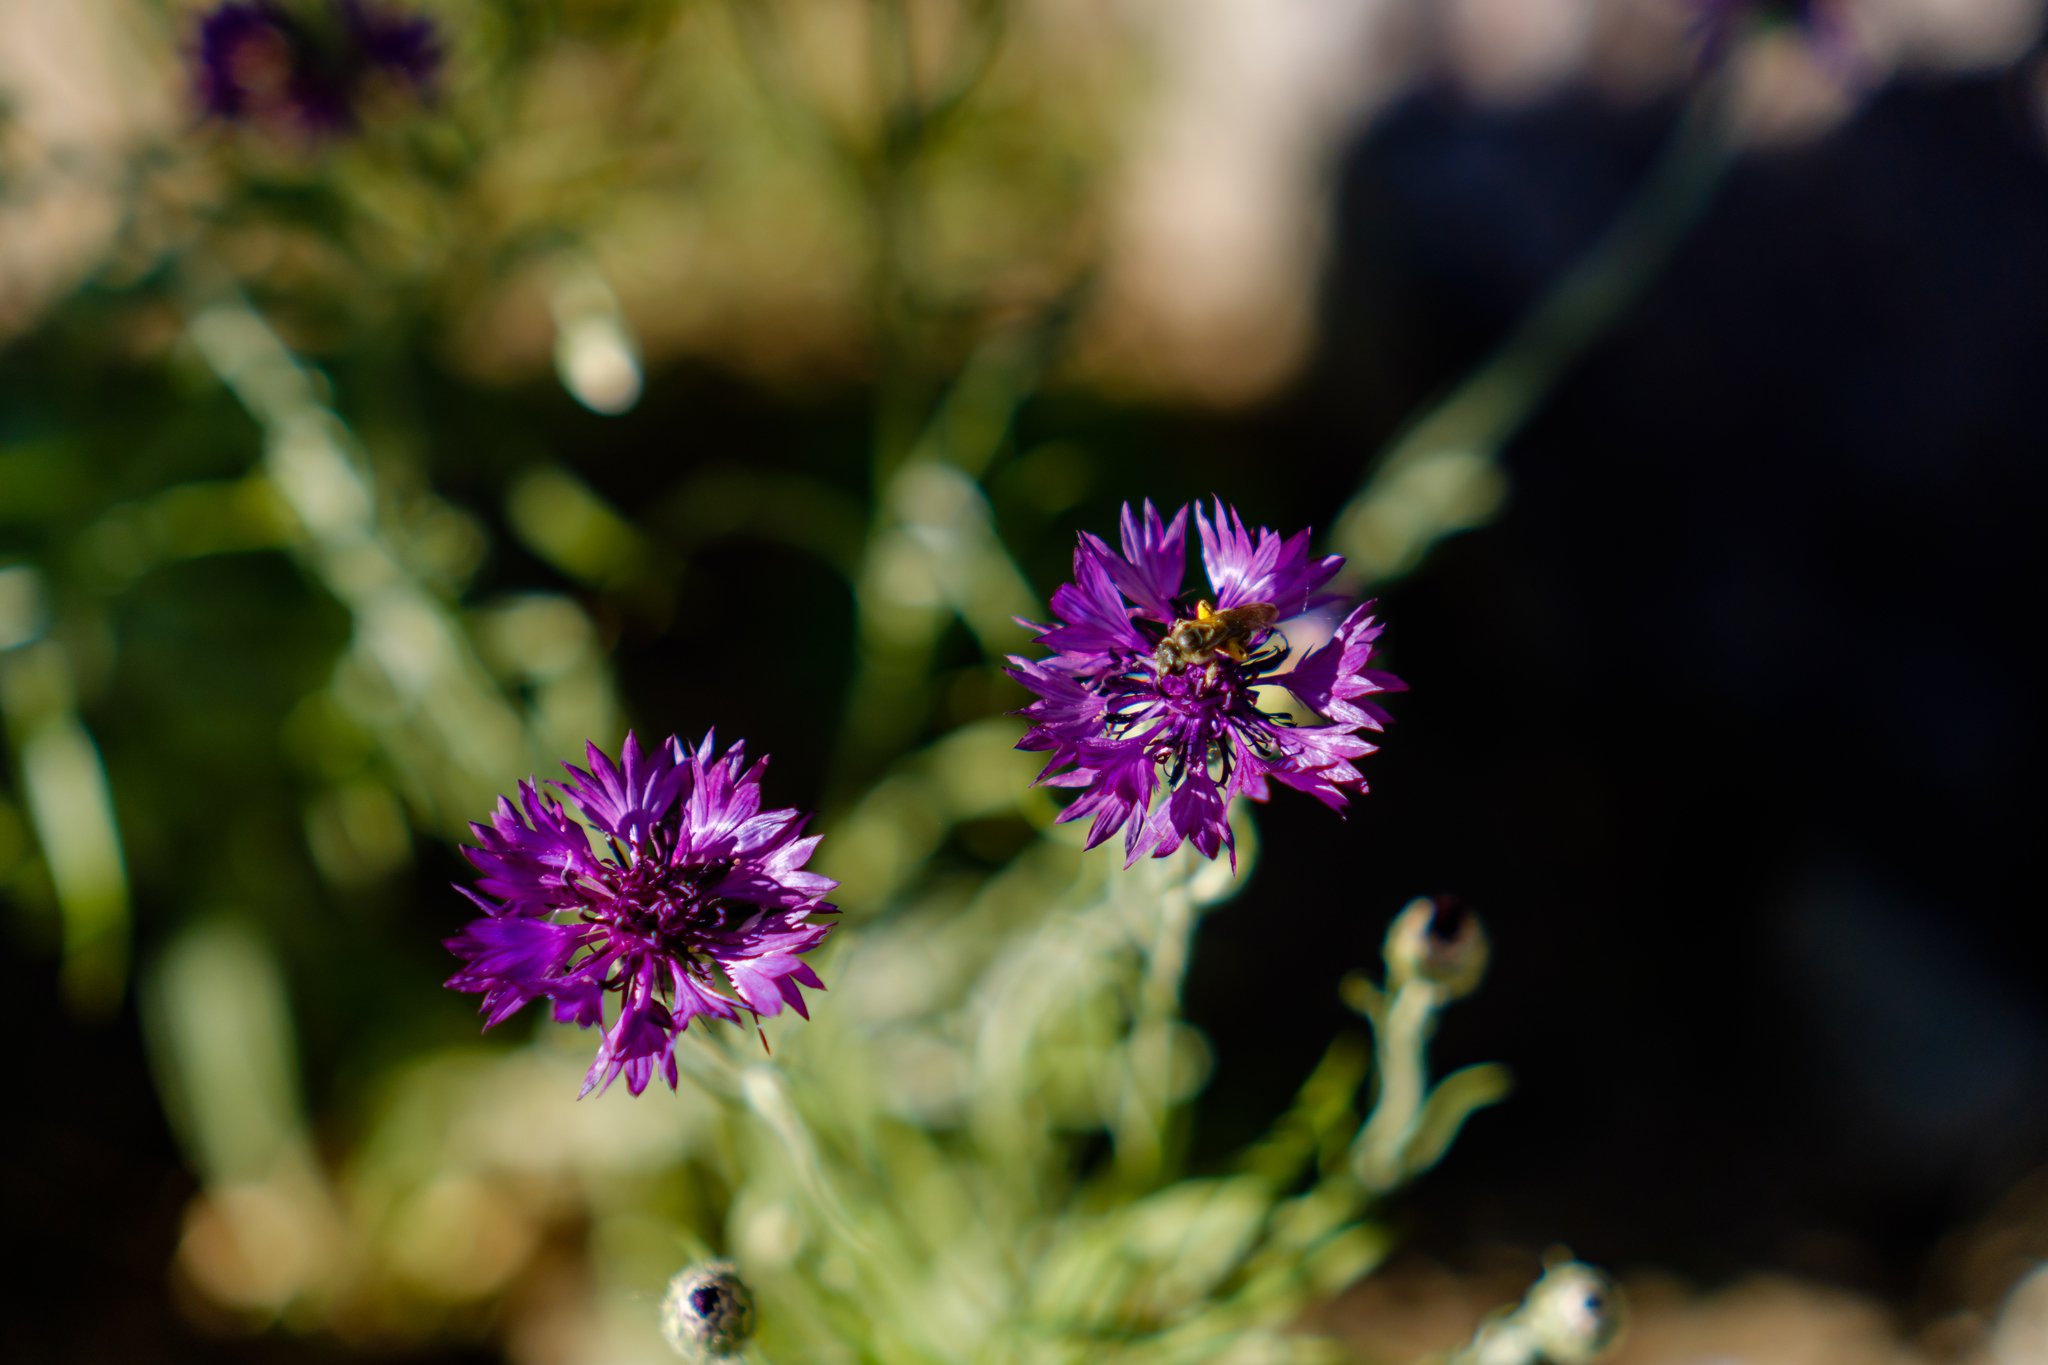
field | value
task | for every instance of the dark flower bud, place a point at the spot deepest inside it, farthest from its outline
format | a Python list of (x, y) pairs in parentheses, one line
[(708, 1312), (1718, 24), (1573, 1314), (1436, 939)]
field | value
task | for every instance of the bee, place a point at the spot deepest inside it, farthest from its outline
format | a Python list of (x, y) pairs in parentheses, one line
[(1213, 636)]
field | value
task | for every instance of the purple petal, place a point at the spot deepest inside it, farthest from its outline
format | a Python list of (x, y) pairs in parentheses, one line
[(765, 977), (511, 961), (1333, 678), (529, 857), (1098, 620), (631, 800), (691, 852), (1153, 562), (1243, 568), (637, 1042)]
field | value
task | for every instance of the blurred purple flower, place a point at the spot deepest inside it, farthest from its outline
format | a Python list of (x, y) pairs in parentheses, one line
[(1717, 23), (696, 888), (1149, 693), (310, 66)]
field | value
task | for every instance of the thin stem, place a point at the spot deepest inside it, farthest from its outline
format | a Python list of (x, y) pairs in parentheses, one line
[(762, 1088), (1441, 474), (1144, 1123), (1401, 1045), (971, 575), (1506, 1342), (403, 627), (70, 805), (1571, 1316)]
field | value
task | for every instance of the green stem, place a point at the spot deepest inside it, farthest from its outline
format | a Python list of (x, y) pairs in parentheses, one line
[(762, 1088), (1143, 1129), (466, 733), (1401, 1046), (889, 697), (70, 804), (1441, 474)]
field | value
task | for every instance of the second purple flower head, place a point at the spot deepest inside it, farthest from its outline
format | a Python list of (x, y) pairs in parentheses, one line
[(310, 66), (1149, 703), (691, 903)]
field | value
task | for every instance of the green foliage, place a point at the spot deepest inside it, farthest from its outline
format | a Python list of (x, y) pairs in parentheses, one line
[(299, 571)]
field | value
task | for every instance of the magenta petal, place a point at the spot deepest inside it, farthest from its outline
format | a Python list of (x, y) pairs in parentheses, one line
[(1095, 614), (1334, 679), (1243, 568), (295, 68), (632, 800), (699, 879), (579, 1002), (1119, 717), (1153, 562)]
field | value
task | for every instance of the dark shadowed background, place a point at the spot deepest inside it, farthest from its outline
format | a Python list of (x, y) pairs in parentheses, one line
[(1727, 720)]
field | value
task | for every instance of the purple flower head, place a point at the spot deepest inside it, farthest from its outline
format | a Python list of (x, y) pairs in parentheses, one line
[(1148, 701), (1716, 24), (692, 902), (311, 66)]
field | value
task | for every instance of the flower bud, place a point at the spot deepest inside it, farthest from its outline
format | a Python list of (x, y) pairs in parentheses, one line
[(1573, 1314), (708, 1312), (1436, 939)]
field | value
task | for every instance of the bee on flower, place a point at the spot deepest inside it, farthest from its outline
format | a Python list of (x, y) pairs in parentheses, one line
[(1148, 698)]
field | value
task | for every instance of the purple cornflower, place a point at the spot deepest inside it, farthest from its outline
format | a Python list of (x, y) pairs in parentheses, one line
[(695, 887), (310, 66), (1151, 692), (1717, 23)]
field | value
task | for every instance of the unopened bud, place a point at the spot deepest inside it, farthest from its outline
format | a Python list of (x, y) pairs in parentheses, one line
[(708, 1312), (1436, 939), (1573, 1313)]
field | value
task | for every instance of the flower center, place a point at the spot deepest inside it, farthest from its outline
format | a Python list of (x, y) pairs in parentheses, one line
[(1219, 684), (1193, 701), (260, 64), (669, 904)]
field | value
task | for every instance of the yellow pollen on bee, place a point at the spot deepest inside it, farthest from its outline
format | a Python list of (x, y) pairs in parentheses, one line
[(1204, 612)]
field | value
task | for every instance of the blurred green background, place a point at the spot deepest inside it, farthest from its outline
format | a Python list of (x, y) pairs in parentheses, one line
[(752, 364)]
